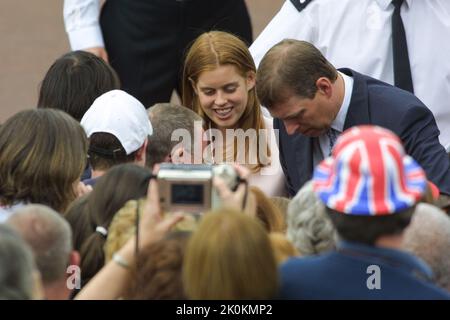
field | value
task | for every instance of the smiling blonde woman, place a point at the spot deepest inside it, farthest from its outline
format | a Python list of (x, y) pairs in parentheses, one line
[(219, 79)]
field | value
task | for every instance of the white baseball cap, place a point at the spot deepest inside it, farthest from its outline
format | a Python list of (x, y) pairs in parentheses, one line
[(120, 114)]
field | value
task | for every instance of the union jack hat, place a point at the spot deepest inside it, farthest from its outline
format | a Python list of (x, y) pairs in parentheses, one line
[(369, 173)]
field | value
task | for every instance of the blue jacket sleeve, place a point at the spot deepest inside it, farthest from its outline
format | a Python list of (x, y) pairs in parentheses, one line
[(419, 133)]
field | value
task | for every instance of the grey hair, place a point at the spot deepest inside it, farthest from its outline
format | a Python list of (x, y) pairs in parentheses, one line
[(166, 118), (16, 266), (49, 236), (308, 226), (428, 237)]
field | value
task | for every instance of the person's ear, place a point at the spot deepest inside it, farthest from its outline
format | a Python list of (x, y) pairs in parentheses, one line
[(177, 155), (324, 86), (74, 258), (251, 80), (194, 86), (168, 158), (141, 153)]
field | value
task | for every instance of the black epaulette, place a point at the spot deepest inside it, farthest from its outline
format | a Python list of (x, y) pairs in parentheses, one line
[(300, 4)]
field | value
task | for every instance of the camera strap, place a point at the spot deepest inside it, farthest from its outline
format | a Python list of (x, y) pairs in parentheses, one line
[(244, 181)]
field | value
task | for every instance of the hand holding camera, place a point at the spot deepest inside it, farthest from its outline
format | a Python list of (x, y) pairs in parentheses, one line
[(153, 226), (237, 197), (190, 188)]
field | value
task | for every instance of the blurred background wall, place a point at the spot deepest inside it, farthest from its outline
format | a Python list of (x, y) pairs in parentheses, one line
[(32, 37)]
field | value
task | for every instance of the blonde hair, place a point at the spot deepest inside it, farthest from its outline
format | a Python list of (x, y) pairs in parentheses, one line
[(221, 257), (122, 227), (282, 204), (156, 275), (267, 212), (208, 52), (282, 247)]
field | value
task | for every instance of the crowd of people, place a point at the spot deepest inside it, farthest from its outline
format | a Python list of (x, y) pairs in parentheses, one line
[(342, 182)]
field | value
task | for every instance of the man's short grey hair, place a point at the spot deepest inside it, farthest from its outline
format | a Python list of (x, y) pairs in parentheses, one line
[(16, 266), (428, 237), (49, 236), (308, 226), (165, 119)]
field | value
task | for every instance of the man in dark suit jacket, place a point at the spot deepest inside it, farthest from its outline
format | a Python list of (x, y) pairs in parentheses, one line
[(310, 99)]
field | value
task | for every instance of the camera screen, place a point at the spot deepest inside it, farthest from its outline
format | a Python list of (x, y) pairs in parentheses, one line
[(187, 194)]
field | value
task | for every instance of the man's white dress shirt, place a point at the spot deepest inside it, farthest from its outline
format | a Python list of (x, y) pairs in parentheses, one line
[(357, 34), (81, 19)]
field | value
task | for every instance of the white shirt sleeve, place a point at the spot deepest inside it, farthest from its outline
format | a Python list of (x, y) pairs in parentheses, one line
[(81, 19), (287, 24)]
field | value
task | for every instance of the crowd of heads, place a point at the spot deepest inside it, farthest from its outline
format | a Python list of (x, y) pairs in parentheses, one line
[(85, 125)]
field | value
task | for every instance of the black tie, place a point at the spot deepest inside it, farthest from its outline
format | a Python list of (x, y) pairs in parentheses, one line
[(402, 68), (332, 136)]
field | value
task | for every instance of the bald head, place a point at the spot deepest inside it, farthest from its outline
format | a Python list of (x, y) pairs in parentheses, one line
[(49, 236)]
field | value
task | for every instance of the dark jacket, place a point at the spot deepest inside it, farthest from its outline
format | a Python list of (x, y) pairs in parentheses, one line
[(378, 103), (346, 272)]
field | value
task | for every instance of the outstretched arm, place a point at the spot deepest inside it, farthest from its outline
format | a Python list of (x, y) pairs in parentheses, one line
[(112, 280)]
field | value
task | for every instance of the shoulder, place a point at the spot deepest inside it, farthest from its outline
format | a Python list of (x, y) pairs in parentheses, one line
[(300, 4), (308, 263), (379, 91), (268, 122), (305, 272), (396, 100)]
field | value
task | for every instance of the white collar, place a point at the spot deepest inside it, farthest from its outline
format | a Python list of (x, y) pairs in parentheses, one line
[(339, 121), (7, 211), (384, 4)]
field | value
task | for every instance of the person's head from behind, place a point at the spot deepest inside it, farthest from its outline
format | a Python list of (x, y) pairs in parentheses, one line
[(90, 217), (17, 268), (157, 274), (370, 186), (74, 81), (122, 227), (308, 225), (49, 236), (219, 82), (298, 85), (230, 256), (172, 123), (428, 237), (42, 156), (118, 127)]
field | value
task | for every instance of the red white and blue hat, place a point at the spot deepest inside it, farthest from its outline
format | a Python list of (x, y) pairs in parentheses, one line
[(369, 173)]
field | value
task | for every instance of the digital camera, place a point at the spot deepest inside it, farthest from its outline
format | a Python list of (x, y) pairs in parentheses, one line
[(189, 187)]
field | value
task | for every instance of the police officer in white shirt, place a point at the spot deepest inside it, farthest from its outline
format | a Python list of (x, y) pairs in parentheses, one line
[(357, 34), (144, 40)]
